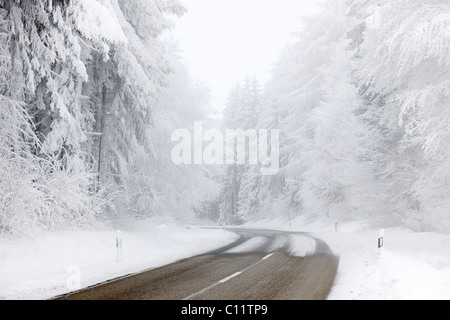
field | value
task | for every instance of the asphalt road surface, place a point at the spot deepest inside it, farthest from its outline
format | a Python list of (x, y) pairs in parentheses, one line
[(260, 265)]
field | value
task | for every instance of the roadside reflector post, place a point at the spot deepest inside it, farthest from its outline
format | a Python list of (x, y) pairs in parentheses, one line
[(336, 227), (119, 246), (380, 241)]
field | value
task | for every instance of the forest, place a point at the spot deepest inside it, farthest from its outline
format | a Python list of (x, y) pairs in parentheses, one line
[(91, 92)]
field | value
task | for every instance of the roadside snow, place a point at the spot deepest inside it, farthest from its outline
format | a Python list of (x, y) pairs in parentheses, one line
[(301, 246), (44, 267), (412, 266), (248, 245)]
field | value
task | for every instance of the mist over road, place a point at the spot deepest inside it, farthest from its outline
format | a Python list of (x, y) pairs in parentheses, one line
[(260, 265)]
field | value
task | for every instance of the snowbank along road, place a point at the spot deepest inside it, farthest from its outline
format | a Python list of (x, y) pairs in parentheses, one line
[(260, 265)]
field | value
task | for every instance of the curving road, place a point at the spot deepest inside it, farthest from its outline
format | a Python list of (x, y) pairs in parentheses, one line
[(260, 265)]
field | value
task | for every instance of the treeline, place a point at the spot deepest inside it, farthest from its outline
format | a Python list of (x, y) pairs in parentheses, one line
[(361, 99), (89, 96)]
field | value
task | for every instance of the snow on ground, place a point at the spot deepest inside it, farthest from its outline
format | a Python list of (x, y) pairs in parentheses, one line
[(248, 245), (49, 264), (412, 266)]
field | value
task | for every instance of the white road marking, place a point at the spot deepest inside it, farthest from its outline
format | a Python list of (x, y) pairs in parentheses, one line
[(268, 256), (228, 278)]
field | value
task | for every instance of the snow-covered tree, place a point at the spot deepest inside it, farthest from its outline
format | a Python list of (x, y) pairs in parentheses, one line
[(403, 73), (88, 96), (239, 201), (326, 144), (159, 186), (47, 184)]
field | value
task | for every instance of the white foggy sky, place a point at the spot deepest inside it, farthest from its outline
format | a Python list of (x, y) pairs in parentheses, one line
[(223, 40)]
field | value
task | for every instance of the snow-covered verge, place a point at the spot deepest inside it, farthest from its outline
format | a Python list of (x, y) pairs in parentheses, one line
[(46, 265), (411, 266)]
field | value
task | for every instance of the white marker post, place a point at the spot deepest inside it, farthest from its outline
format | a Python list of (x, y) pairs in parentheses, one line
[(380, 241), (119, 246)]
